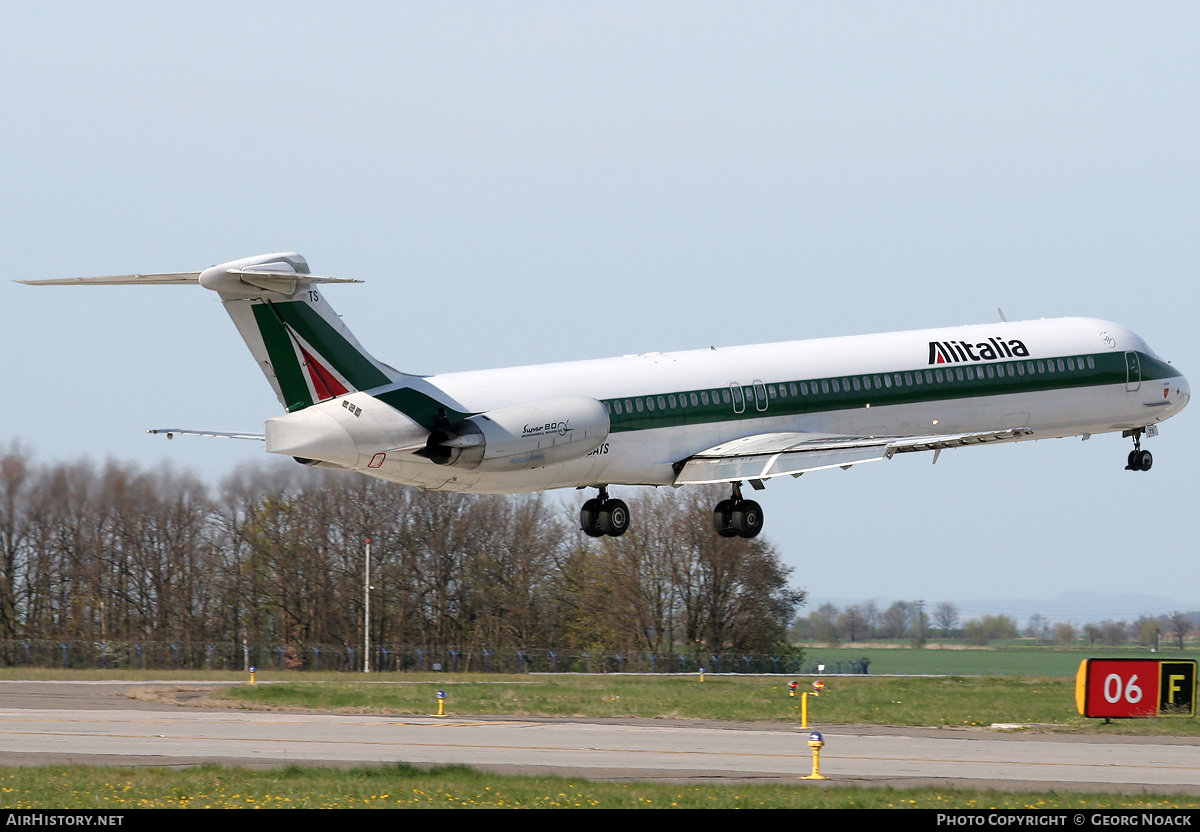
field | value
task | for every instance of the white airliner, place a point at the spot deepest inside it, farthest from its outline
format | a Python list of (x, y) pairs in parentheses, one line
[(717, 415)]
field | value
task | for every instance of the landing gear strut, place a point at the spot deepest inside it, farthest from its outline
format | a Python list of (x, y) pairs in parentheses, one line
[(1139, 460), (604, 516), (736, 517)]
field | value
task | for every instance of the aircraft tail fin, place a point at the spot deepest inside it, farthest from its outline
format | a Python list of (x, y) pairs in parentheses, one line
[(301, 345)]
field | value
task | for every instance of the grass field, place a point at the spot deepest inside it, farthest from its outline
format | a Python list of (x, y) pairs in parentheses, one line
[(933, 660), (402, 786), (994, 661), (943, 702)]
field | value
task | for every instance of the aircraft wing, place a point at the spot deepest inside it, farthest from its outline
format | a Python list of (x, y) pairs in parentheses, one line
[(774, 454), (170, 432)]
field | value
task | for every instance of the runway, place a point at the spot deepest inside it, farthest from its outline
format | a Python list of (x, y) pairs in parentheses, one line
[(55, 723)]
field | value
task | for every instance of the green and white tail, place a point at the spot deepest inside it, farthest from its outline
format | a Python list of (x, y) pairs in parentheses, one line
[(306, 352)]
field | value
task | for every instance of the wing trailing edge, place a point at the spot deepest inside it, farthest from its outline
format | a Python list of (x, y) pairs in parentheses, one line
[(221, 434), (769, 455)]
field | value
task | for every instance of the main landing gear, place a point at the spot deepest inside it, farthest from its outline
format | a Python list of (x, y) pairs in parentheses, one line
[(736, 517), (1139, 460), (604, 516)]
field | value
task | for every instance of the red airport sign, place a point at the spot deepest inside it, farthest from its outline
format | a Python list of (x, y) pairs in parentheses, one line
[(1127, 688)]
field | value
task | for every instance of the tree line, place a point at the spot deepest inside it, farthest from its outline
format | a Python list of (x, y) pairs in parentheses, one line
[(908, 620), (113, 552)]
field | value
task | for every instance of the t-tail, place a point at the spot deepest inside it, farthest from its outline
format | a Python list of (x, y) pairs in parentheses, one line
[(301, 345)]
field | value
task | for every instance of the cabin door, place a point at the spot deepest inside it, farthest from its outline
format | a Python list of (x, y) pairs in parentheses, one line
[(1133, 372)]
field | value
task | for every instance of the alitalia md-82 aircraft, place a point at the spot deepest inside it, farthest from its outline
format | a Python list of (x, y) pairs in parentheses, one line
[(718, 415)]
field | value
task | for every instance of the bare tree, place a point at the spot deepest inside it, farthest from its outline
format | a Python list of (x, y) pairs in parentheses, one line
[(897, 619), (982, 630), (15, 530), (1113, 633), (1064, 633), (820, 626), (945, 615), (118, 553), (853, 624), (1180, 624)]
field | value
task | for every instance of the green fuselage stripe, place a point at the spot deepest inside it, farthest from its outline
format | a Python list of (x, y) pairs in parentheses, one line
[(1108, 369), (422, 409)]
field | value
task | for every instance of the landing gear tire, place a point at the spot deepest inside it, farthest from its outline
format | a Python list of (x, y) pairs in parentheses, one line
[(589, 518), (723, 519), (1139, 461), (747, 519), (601, 516), (736, 517), (614, 518)]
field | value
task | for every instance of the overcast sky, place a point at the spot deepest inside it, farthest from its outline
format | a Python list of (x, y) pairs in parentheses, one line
[(530, 182)]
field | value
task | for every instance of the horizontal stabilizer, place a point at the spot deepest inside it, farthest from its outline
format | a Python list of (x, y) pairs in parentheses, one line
[(299, 343), (284, 282), (170, 432), (119, 280), (775, 454)]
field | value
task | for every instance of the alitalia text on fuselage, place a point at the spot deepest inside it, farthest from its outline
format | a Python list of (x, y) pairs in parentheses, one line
[(991, 349)]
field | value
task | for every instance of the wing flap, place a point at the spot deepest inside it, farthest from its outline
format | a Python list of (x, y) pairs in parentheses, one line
[(701, 469), (769, 455), (939, 442)]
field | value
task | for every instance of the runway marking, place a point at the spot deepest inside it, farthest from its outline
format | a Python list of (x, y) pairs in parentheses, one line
[(792, 759), (506, 747), (1025, 763), (343, 721), (640, 751)]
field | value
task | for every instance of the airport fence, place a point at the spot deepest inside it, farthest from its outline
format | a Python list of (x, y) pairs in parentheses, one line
[(50, 653)]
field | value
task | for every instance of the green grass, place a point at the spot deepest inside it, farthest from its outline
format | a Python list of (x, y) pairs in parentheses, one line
[(1005, 660), (991, 661), (951, 702), (403, 786)]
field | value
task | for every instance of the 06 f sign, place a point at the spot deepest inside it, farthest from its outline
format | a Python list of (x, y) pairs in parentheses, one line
[(1124, 688)]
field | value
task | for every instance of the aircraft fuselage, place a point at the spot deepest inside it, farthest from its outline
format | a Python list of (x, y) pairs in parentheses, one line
[(1054, 378)]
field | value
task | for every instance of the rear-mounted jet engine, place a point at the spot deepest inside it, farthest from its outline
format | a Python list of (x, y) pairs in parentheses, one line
[(516, 438)]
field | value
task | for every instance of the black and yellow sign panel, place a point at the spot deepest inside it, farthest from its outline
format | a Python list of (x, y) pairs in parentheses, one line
[(1177, 688)]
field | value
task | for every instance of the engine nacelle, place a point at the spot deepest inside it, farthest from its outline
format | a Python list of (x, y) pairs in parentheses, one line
[(526, 436)]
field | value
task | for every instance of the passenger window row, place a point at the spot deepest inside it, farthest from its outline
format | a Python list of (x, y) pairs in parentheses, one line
[(758, 393)]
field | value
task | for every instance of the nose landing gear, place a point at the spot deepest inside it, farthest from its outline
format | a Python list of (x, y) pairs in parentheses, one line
[(1139, 460), (736, 517), (604, 516)]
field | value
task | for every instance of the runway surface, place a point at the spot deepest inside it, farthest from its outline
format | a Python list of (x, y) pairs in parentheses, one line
[(95, 723)]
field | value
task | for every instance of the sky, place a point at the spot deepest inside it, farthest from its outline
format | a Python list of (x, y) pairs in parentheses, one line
[(520, 183)]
